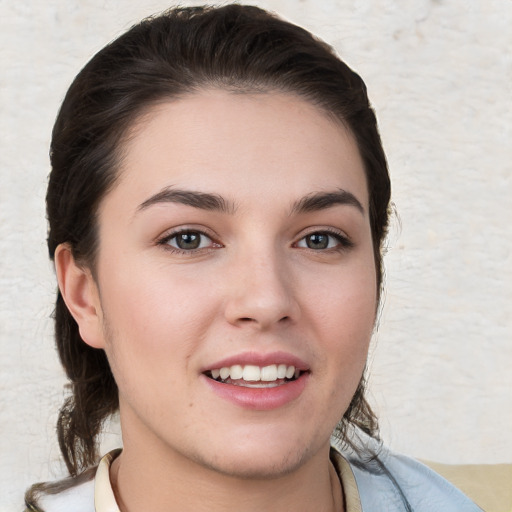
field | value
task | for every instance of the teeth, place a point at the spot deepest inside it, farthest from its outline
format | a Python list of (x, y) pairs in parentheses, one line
[(269, 373), (252, 373), (290, 372), (236, 372)]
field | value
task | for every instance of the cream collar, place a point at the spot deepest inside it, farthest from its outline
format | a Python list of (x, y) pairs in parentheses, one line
[(105, 501)]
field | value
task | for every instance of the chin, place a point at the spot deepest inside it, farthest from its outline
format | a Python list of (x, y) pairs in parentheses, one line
[(266, 459), (258, 467)]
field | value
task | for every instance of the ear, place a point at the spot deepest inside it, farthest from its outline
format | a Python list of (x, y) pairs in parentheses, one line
[(81, 296)]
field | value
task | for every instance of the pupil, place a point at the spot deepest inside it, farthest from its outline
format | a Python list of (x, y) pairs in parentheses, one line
[(317, 241), (188, 240)]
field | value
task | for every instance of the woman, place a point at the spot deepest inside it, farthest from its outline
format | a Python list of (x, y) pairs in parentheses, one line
[(217, 206)]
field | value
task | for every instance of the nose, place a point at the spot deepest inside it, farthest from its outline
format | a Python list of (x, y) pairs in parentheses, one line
[(261, 292)]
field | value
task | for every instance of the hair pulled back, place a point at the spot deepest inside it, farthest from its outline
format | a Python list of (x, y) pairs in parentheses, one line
[(236, 47)]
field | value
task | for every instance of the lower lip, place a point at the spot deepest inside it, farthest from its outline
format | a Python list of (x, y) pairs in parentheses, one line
[(261, 399)]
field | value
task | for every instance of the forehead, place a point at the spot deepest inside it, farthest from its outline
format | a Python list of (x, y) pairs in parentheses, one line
[(214, 140)]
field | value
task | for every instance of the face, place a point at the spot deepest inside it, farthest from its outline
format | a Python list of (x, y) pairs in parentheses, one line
[(235, 278)]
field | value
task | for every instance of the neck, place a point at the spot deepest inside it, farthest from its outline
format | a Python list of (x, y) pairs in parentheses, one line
[(164, 481)]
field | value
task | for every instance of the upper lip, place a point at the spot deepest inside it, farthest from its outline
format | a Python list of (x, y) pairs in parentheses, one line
[(259, 359)]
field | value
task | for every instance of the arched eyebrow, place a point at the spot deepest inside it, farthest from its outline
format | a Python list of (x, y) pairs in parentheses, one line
[(214, 202), (323, 200), (202, 200)]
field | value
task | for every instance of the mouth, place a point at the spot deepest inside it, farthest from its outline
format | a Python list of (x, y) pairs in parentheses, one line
[(252, 376)]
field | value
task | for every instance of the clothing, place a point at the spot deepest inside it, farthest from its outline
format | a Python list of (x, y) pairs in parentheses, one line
[(394, 483), (383, 483)]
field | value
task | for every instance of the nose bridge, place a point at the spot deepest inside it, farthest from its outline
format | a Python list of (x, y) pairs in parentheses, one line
[(261, 291)]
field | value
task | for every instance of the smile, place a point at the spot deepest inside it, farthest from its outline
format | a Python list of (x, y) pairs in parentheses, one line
[(255, 376)]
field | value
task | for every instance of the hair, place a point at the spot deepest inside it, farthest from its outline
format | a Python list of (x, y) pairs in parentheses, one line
[(237, 48)]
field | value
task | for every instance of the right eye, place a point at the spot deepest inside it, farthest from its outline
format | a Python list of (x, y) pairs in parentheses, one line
[(188, 241)]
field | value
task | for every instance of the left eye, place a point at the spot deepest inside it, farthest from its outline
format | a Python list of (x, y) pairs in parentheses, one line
[(320, 241), (189, 241)]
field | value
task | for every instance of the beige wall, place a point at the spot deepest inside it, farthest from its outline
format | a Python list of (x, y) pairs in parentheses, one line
[(439, 74)]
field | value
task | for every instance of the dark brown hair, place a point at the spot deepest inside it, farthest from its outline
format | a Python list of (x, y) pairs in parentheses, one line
[(235, 47)]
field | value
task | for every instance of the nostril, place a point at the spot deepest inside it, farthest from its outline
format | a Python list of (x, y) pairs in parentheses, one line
[(247, 319)]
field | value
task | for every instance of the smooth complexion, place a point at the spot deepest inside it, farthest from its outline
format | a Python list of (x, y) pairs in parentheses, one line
[(237, 234)]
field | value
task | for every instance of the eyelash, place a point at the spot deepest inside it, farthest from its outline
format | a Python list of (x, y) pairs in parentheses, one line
[(166, 239), (342, 241)]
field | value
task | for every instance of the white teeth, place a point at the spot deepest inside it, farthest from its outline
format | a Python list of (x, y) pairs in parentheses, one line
[(290, 372), (281, 371), (252, 373), (269, 373), (236, 372)]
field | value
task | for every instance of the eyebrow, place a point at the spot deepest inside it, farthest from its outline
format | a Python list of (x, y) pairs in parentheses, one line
[(323, 200), (214, 202), (202, 200)]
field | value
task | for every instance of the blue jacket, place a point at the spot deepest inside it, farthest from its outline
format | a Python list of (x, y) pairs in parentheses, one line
[(387, 482)]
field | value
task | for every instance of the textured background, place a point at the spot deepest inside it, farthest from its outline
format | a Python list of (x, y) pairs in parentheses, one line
[(439, 75)]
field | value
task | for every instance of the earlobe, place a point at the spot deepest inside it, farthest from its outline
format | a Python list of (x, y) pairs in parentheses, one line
[(80, 294)]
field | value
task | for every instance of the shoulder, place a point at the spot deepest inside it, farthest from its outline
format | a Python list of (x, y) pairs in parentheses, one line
[(79, 498), (78, 494), (422, 488), (392, 482)]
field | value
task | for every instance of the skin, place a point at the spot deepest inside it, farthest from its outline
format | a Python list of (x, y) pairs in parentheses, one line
[(254, 285)]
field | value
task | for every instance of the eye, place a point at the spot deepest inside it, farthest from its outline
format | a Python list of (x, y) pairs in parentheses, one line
[(322, 240), (187, 240)]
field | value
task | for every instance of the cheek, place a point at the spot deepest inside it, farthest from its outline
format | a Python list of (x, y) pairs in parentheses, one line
[(343, 314), (152, 322), (345, 303), (150, 298)]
